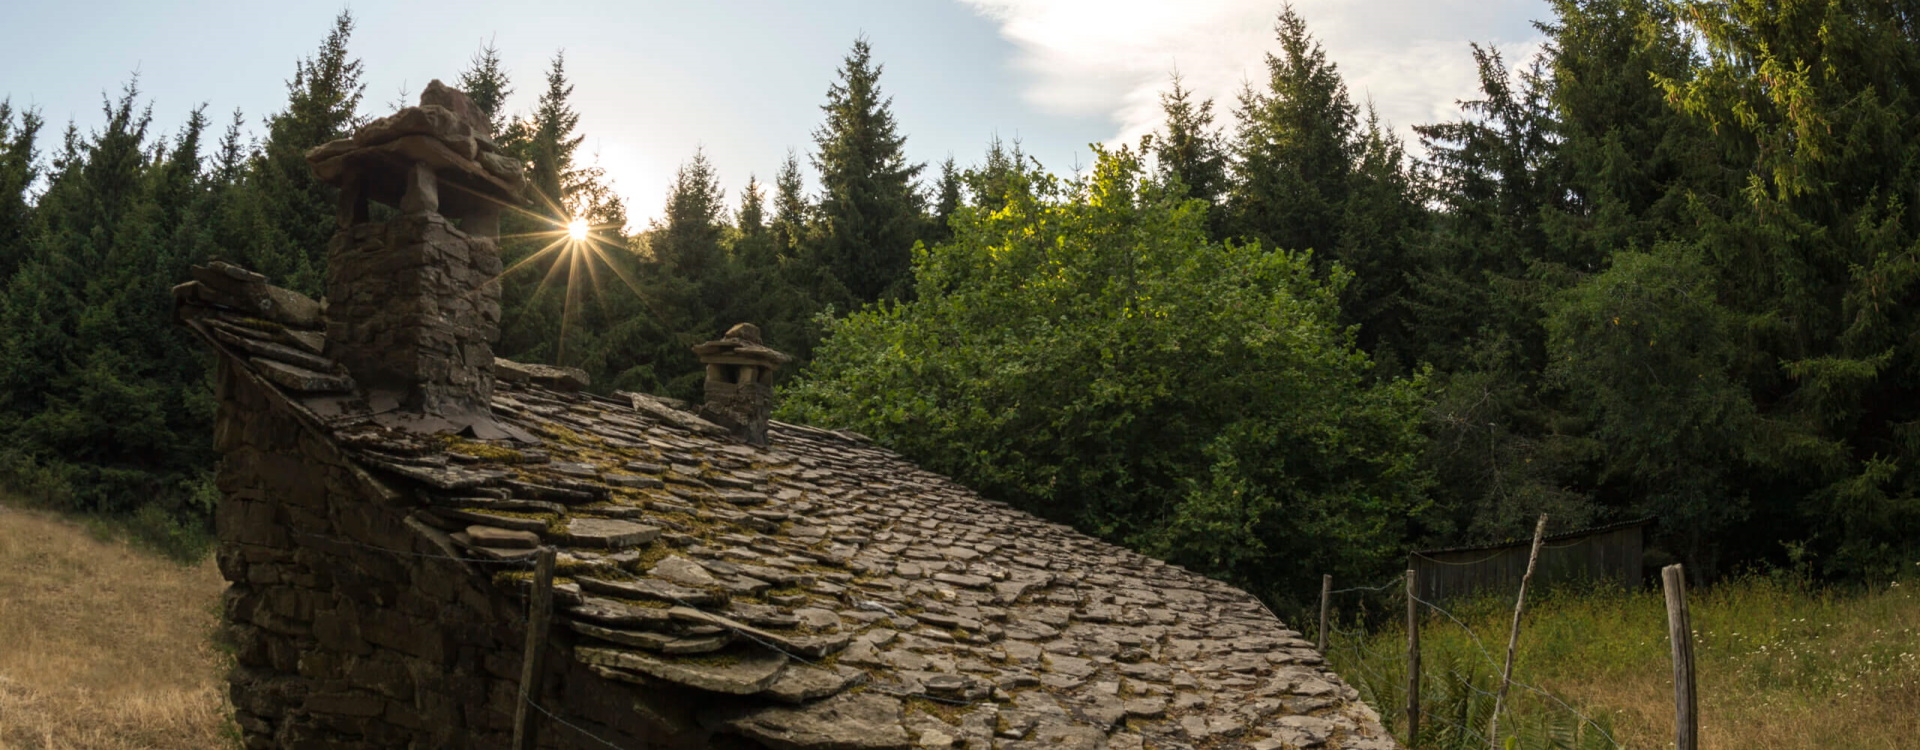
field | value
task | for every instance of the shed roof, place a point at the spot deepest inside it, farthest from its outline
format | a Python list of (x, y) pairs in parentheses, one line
[(824, 590), (1549, 539)]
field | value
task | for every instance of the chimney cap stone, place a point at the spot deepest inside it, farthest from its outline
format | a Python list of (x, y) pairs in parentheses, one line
[(740, 345)]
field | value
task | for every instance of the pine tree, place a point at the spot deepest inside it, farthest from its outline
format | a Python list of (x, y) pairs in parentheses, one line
[(1190, 151), (1383, 222), (551, 300), (1475, 313), (687, 241), (486, 83), (294, 211), (792, 214), (948, 196), (19, 169), (1002, 170), (870, 212), (550, 145), (751, 217), (1294, 148), (1497, 175), (100, 386), (1628, 158), (1801, 249)]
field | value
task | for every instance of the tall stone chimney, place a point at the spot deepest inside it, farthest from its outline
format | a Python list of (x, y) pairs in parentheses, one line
[(413, 296), (740, 382)]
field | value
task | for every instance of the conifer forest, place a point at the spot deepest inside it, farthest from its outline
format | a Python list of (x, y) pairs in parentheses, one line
[(1668, 268)]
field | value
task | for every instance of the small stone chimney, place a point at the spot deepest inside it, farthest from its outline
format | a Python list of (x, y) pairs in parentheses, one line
[(413, 298), (740, 382)]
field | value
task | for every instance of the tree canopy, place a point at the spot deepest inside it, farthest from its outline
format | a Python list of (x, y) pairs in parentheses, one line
[(1668, 266)]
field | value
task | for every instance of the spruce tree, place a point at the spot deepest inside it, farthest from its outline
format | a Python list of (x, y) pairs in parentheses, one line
[(1474, 306), (19, 169), (1293, 147), (1496, 174), (870, 212), (1383, 222), (1003, 170), (486, 83), (1628, 158), (687, 241), (100, 386), (792, 214), (552, 293), (948, 196), (753, 250), (550, 145), (1801, 252), (751, 217), (1190, 151), (294, 211)]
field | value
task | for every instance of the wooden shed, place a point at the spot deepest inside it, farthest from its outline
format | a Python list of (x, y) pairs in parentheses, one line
[(1602, 553)]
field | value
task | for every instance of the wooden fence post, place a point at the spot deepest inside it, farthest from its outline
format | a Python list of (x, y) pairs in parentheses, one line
[(1326, 592), (1686, 708), (539, 613), (1413, 657), (1513, 635)]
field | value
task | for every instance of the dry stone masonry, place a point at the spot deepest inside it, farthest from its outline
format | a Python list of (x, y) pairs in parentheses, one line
[(723, 580), (739, 386), (414, 300)]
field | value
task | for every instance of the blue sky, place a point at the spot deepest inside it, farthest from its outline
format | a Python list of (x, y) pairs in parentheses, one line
[(744, 79)]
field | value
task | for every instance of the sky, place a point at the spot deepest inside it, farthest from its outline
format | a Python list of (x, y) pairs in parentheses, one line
[(743, 80)]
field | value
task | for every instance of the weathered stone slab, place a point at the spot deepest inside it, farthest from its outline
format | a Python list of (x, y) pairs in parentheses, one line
[(680, 570), (621, 614), (261, 349), (666, 643), (609, 533), (299, 379), (443, 478), (741, 671), (813, 647), (863, 721), (557, 378), (650, 588), (800, 684), (489, 536), (634, 481)]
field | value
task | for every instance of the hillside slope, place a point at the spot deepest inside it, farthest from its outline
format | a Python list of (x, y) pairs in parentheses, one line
[(104, 646)]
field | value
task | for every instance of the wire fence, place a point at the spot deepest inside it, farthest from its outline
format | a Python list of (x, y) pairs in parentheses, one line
[(1459, 678)]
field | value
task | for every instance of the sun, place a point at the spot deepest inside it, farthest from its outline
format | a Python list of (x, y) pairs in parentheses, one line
[(577, 230)]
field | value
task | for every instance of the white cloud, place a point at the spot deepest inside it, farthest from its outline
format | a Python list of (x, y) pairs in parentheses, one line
[(1113, 57)]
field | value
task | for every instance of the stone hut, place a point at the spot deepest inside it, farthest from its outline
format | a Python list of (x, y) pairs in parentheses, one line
[(717, 579)]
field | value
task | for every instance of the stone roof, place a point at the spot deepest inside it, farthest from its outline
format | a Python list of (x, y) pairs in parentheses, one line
[(822, 590)]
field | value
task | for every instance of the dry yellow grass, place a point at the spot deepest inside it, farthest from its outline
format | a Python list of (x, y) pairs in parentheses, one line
[(103, 646)]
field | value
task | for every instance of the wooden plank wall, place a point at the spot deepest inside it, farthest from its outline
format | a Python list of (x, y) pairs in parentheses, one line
[(1610, 555)]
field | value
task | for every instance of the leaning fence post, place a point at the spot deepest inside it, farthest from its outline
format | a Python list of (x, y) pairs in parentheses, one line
[(1326, 592), (539, 611), (1413, 657), (1686, 709), (1513, 636)]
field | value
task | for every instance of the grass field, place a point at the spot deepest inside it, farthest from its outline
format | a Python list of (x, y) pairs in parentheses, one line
[(103, 646), (1781, 666)]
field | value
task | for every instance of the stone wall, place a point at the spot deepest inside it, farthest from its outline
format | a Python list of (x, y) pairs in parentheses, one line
[(414, 306), (348, 632)]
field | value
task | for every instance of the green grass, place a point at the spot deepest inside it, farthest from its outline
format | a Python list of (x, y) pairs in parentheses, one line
[(1780, 664)]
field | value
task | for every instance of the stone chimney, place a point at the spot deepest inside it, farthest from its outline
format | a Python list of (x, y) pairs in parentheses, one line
[(413, 296), (740, 382)]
